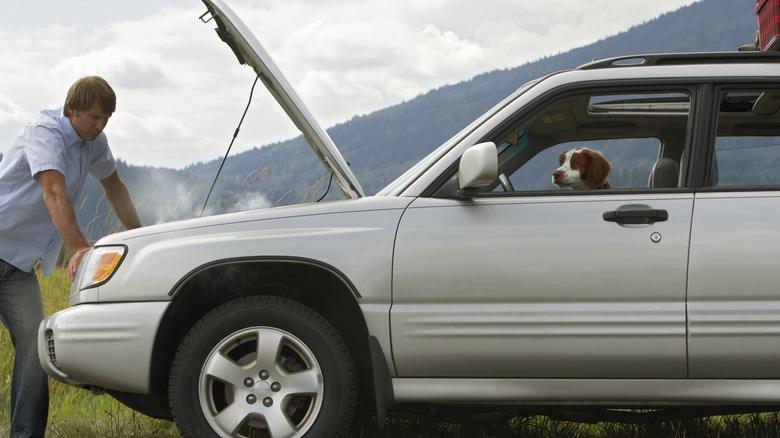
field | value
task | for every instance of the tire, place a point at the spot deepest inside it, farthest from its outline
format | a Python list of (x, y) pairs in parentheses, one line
[(263, 366)]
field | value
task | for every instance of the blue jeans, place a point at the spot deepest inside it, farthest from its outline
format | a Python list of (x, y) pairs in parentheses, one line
[(21, 310)]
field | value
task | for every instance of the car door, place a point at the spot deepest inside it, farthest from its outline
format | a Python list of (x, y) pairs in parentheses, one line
[(734, 297), (540, 287), (542, 283)]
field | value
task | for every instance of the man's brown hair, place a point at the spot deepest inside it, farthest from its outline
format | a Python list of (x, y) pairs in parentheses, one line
[(88, 90)]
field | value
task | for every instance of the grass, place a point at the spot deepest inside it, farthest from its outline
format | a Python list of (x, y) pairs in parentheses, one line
[(75, 412)]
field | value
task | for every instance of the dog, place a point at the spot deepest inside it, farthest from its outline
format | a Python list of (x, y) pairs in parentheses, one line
[(582, 169)]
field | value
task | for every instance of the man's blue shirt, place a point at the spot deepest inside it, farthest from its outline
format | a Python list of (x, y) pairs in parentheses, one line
[(27, 232)]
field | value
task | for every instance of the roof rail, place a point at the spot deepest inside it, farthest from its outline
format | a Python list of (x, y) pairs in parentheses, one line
[(682, 59)]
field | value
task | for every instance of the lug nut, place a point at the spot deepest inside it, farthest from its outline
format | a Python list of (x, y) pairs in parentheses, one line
[(265, 375), (276, 386), (249, 382), (252, 399), (268, 402)]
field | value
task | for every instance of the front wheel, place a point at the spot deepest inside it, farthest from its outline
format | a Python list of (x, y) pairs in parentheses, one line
[(263, 367)]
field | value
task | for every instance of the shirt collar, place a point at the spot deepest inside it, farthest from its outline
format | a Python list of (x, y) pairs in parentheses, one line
[(71, 136)]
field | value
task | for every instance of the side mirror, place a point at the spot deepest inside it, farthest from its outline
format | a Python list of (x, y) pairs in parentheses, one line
[(478, 168)]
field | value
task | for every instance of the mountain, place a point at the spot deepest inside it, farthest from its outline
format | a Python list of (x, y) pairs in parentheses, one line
[(382, 145)]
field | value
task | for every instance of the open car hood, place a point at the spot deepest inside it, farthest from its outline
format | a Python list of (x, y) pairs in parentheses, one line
[(237, 35)]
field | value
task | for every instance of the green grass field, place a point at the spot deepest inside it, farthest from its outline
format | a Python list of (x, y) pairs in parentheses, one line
[(76, 412)]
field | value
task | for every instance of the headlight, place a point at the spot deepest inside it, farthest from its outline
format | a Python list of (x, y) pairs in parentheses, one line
[(99, 265)]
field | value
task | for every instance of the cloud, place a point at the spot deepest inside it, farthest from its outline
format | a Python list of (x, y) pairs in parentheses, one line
[(10, 112), (131, 129), (181, 91), (351, 57), (127, 67)]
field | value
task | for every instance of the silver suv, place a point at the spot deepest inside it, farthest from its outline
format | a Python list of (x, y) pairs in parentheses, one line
[(472, 281)]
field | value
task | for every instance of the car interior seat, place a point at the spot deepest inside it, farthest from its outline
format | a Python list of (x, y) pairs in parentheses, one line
[(665, 174)]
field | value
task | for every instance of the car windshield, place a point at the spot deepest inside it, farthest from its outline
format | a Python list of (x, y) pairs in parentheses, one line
[(410, 175)]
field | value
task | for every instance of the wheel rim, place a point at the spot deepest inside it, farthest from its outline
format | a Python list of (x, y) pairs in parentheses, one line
[(260, 382)]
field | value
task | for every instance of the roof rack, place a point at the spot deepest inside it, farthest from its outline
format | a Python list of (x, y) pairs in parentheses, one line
[(683, 59)]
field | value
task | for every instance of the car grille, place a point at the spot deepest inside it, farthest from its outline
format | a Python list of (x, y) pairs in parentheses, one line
[(50, 349)]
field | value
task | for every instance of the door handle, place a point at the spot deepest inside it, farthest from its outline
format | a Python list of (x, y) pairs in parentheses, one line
[(636, 217)]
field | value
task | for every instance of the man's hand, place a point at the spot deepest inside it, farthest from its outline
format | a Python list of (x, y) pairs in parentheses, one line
[(119, 198), (75, 262)]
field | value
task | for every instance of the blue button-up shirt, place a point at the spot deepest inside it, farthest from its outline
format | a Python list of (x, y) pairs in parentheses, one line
[(27, 232)]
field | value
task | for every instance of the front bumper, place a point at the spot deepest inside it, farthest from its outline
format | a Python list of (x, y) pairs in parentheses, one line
[(103, 345)]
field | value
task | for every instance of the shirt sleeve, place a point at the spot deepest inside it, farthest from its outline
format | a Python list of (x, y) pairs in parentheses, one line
[(44, 150), (102, 163)]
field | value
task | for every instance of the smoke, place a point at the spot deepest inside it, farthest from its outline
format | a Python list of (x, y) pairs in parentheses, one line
[(252, 201), (231, 202)]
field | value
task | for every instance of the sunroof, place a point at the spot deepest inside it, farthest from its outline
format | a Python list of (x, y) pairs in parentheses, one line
[(666, 103)]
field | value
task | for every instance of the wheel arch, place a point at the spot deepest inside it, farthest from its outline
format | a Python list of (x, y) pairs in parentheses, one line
[(312, 283)]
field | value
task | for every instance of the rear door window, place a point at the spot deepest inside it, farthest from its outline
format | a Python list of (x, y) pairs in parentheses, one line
[(747, 144)]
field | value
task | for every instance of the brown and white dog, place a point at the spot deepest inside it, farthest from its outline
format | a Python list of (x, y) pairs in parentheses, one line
[(582, 169)]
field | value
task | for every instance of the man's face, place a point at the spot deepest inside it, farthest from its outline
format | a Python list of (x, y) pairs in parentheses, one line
[(88, 123)]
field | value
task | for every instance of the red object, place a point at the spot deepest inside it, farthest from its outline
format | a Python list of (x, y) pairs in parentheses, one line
[(768, 12)]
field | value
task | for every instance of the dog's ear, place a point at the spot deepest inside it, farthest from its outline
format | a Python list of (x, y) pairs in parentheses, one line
[(562, 158), (598, 168)]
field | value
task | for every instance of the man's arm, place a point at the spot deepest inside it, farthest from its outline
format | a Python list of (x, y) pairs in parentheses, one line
[(119, 198), (57, 201)]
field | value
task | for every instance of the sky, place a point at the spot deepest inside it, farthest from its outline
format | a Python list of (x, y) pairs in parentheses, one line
[(181, 92)]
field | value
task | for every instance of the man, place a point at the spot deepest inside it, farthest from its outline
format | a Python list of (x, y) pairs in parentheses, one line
[(41, 177)]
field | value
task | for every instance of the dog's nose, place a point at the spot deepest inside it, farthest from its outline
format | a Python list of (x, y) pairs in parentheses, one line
[(558, 175)]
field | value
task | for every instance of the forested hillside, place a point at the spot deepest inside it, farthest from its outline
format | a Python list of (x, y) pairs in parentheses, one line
[(381, 145)]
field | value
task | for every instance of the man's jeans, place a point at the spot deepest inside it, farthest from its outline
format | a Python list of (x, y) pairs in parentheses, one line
[(21, 310)]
